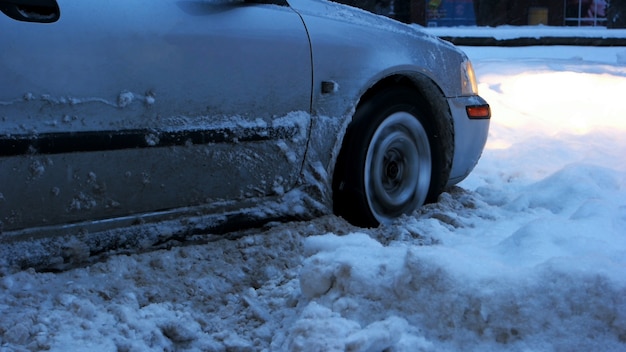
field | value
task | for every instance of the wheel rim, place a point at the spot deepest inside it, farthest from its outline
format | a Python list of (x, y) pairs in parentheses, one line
[(397, 167)]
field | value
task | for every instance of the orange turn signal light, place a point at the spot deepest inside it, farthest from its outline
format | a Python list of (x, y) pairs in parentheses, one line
[(478, 111)]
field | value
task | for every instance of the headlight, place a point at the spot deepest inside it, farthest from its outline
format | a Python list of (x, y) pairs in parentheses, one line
[(468, 79)]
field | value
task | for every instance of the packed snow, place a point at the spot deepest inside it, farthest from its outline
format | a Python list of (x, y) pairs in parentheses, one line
[(527, 254)]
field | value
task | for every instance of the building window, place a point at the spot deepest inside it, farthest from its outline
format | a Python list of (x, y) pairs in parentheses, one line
[(585, 12), (450, 13)]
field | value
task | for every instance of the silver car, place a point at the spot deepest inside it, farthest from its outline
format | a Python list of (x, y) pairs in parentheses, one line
[(180, 116)]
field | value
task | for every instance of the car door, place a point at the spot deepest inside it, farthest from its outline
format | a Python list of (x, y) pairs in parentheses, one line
[(119, 108)]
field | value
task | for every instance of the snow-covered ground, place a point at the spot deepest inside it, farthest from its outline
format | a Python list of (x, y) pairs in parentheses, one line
[(514, 32), (527, 254)]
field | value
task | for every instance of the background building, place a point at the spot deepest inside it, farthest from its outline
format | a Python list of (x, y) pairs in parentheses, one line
[(490, 12)]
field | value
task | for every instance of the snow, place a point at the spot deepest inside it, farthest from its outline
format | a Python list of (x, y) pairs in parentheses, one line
[(514, 32), (527, 254)]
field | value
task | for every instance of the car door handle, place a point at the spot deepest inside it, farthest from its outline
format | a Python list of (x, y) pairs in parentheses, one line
[(42, 11)]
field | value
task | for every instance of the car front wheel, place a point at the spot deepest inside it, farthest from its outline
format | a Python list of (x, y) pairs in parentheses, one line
[(385, 167)]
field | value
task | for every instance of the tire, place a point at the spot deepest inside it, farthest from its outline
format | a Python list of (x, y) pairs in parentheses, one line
[(390, 162)]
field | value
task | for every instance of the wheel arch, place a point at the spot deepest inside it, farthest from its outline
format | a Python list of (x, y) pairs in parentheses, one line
[(433, 99)]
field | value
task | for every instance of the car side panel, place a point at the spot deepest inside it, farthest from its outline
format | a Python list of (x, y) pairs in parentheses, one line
[(123, 108)]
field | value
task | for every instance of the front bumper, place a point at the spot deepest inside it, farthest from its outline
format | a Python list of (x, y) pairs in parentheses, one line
[(470, 134)]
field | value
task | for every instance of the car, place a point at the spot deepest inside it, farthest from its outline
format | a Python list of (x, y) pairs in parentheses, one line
[(212, 114)]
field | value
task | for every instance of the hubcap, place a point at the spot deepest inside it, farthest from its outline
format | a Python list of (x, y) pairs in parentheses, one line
[(397, 167), (392, 170)]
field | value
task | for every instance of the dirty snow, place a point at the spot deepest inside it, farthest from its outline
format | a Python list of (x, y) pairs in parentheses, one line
[(527, 254)]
